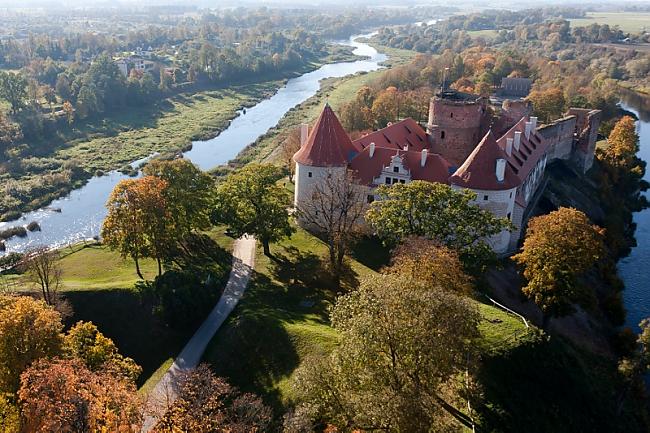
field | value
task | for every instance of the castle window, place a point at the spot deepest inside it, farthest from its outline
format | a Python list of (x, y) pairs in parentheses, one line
[(370, 198), (395, 169), (508, 215), (402, 181), (309, 174), (388, 181), (442, 135), (395, 180), (485, 197), (451, 114), (510, 194)]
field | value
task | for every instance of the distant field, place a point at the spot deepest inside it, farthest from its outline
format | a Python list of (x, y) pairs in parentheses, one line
[(488, 34), (632, 22)]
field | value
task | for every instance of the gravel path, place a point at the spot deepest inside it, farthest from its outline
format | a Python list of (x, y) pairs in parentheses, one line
[(164, 393)]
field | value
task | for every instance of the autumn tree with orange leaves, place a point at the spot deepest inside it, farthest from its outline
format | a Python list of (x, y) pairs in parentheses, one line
[(138, 222), (559, 248), (63, 395)]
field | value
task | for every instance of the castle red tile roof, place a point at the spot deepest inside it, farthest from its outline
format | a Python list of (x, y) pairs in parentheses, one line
[(397, 136), (478, 170), (531, 149), (328, 145), (366, 168)]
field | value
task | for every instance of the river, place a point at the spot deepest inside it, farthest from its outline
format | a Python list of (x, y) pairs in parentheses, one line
[(633, 269), (79, 215)]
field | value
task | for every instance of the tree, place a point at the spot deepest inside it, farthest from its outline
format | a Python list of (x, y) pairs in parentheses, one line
[(251, 202), (69, 112), (84, 342), (623, 145), (29, 330), (189, 195), (137, 220), (63, 395), (206, 404), (431, 263), (289, 147), (633, 368), (10, 133), (558, 248), (9, 416), (336, 211), (385, 107), (62, 87), (402, 347), (13, 89), (438, 212), (41, 267), (548, 104)]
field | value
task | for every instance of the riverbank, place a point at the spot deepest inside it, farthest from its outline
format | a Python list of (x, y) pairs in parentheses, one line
[(168, 126)]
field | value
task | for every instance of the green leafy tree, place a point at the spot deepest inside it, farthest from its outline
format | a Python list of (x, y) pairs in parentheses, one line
[(189, 195), (402, 347), (250, 201), (13, 89), (437, 212), (559, 247), (84, 341)]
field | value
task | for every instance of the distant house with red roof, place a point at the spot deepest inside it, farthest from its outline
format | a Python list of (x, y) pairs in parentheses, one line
[(502, 160)]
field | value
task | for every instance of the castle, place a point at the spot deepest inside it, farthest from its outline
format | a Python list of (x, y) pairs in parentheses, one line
[(498, 152)]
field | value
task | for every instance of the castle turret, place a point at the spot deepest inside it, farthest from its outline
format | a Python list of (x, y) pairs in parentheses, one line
[(327, 149), (455, 123)]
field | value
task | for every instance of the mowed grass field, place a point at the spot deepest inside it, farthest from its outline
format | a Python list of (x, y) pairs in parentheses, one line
[(632, 22)]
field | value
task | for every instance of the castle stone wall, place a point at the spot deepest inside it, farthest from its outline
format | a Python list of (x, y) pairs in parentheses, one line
[(560, 134)]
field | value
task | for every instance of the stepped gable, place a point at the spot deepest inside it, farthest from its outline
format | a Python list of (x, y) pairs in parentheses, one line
[(366, 168), (531, 149), (328, 145), (405, 133), (479, 169)]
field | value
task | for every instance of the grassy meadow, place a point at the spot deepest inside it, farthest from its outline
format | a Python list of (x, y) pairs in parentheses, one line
[(632, 22)]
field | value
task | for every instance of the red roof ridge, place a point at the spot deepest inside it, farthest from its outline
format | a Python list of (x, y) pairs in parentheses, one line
[(328, 145), (478, 170)]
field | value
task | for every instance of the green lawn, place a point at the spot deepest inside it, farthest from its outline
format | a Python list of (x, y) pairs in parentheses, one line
[(99, 286), (282, 319), (487, 34), (632, 22)]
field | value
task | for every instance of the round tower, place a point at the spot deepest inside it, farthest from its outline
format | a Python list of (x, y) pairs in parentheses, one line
[(455, 122), (327, 149)]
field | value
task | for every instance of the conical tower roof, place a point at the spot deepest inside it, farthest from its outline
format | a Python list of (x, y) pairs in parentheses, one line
[(328, 145), (478, 170)]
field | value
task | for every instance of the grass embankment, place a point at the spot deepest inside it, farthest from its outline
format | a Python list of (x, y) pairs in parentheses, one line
[(133, 133), (99, 286), (283, 318), (633, 22)]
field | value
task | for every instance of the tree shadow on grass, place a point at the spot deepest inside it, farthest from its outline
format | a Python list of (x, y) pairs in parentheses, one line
[(370, 251), (202, 253), (138, 333)]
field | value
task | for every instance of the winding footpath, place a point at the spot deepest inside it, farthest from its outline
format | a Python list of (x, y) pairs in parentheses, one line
[(164, 393)]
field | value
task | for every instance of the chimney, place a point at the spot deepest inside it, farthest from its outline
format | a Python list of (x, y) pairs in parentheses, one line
[(371, 151), (529, 126), (533, 120), (304, 133), (423, 157), (500, 169), (509, 146), (517, 141)]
